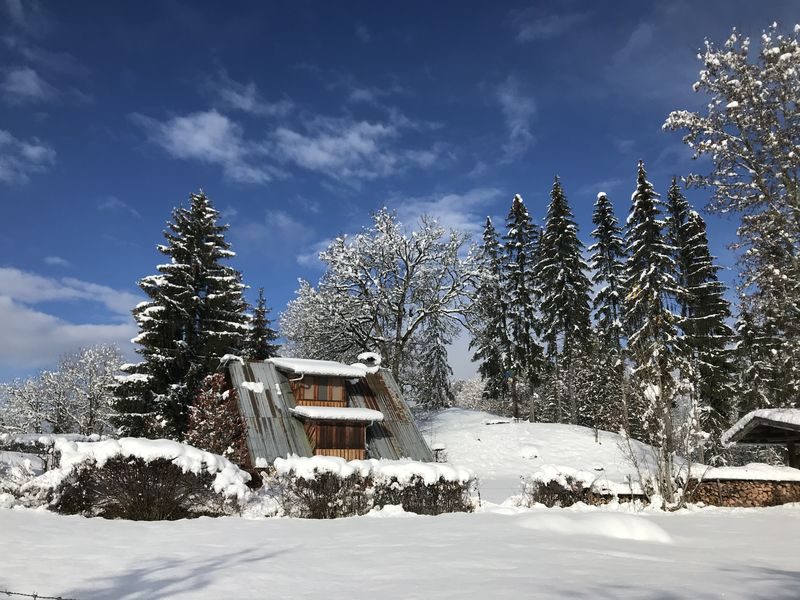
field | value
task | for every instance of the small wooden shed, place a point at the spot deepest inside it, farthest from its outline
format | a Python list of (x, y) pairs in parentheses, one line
[(771, 426), (317, 407)]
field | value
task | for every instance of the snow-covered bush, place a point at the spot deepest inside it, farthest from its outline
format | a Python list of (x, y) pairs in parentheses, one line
[(562, 491), (139, 479), (324, 487), (16, 469)]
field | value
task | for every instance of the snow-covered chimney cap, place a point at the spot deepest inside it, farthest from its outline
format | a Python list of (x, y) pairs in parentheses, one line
[(371, 359)]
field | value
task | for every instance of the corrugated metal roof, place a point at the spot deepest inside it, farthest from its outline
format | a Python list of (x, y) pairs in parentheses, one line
[(272, 431), (397, 436)]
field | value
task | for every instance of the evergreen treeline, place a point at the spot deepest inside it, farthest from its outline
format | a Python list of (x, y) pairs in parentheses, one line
[(630, 333)]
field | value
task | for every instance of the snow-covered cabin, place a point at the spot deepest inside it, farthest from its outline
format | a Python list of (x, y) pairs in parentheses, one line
[(769, 426), (317, 407)]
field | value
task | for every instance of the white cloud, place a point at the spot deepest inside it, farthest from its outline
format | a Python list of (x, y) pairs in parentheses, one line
[(349, 150), (19, 158), (112, 203), (32, 338), (212, 138), (245, 97), (27, 16), (23, 84), (464, 212), (518, 111), (533, 25), (57, 261)]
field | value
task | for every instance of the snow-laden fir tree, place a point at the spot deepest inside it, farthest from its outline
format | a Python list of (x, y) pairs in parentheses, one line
[(487, 317), (751, 131), (434, 372), (651, 327), (564, 311), (215, 422), (379, 290), (521, 292), (260, 342), (703, 317), (607, 262), (194, 315)]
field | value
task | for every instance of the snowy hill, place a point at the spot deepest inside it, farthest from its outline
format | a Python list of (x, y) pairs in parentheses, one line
[(500, 451)]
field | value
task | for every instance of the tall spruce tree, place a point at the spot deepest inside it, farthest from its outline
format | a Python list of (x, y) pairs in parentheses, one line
[(434, 370), (525, 353), (487, 317), (195, 314), (565, 312), (704, 312), (653, 344), (607, 262), (260, 341)]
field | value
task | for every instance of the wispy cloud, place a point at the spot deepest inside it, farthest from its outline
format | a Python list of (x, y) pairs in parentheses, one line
[(350, 150), (27, 16), (309, 258), (518, 111), (363, 34), (30, 288), (23, 85), (112, 203), (464, 212), (57, 261), (245, 97), (535, 24), (212, 138), (19, 159)]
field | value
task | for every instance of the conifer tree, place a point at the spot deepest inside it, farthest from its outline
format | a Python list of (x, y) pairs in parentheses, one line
[(653, 344), (704, 312), (195, 314), (561, 276), (487, 317), (261, 336), (215, 422), (607, 262), (434, 370), (525, 358)]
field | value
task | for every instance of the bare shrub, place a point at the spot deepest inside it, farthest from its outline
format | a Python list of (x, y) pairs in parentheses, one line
[(423, 498), (326, 496), (553, 492), (132, 488)]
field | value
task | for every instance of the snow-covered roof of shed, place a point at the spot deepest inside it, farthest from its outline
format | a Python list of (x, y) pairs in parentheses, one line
[(775, 417), (325, 368), (334, 413)]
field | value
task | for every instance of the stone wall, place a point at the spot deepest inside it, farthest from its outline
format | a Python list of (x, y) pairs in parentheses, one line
[(739, 492)]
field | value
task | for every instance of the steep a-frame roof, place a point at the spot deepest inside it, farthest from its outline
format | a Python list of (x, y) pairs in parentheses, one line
[(275, 431)]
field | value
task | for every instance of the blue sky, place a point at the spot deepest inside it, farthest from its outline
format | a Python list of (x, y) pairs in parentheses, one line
[(300, 119)]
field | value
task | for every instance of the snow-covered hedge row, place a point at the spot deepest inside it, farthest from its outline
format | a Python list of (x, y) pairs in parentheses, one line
[(138, 479), (325, 487), (554, 485)]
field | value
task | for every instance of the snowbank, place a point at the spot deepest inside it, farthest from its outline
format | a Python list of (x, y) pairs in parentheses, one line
[(43, 439), (609, 525), (229, 481)]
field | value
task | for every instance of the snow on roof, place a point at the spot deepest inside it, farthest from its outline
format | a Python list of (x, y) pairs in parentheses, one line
[(752, 472), (789, 416), (325, 368), (230, 480), (334, 413)]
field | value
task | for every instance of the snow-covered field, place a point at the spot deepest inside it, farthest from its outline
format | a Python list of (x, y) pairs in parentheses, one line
[(500, 452), (498, 552), (541, 554)]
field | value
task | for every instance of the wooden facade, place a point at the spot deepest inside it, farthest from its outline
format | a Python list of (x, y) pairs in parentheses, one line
[(314, 390), (338, 438)]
